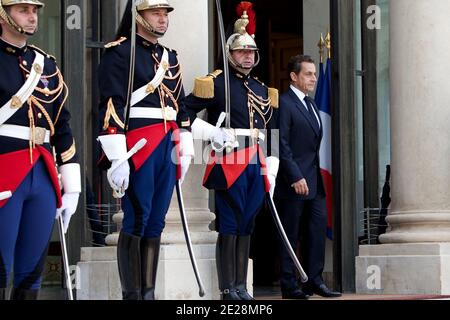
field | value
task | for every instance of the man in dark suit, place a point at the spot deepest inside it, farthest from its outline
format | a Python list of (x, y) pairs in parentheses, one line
[(300, 193)]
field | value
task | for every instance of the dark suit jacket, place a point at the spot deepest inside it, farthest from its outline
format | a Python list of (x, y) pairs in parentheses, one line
[(299, 149)]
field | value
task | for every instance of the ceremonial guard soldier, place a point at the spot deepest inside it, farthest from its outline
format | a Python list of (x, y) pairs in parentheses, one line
[(33, 124), (235, 166), (156, 112)]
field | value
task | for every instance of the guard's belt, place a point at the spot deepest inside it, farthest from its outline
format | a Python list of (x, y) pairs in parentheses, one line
[(253, 133), (168, 113), (38, 136)]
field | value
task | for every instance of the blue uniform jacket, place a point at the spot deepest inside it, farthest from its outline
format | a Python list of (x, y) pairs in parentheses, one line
[(48, 109), (240, 87), (114, 71), (243, 90)]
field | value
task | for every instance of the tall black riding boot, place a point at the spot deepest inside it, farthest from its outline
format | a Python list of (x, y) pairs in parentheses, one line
[(129, 260), (149, 256), (226, 266), (24, 294), (242, 255), (2, 293)]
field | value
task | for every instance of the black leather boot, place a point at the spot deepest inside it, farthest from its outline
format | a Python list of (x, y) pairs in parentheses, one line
[(226, 266), (149, 257), (24, 294), (2, 293), (242, 254), (129, 260)]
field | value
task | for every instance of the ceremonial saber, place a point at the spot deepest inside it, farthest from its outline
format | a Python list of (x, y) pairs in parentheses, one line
[(284, 238), (65, 257), (5, 195), (188, 238), (131, 71), (226, 70)]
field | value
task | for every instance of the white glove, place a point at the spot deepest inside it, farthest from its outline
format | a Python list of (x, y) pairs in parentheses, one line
[(220, 138), (229, 136), (217, 139), (272, 180), (119, 177), (223, 138), (272, 164), (68, 208), (185, 162)]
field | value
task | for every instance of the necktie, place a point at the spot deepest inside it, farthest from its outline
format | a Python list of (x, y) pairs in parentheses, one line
[(311, 112)]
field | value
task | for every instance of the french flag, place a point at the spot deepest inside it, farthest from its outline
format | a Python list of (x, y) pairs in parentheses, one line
[(323, 101)]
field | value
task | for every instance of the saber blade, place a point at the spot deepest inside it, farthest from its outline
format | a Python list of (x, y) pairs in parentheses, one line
[(65, 258), (188, 239), (226, 70), (284, 238)]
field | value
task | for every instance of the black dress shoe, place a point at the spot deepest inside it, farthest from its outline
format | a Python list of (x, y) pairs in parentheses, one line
[(295, 294), (322, 290)]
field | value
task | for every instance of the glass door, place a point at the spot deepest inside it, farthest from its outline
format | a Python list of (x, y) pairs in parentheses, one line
[(49, 36)]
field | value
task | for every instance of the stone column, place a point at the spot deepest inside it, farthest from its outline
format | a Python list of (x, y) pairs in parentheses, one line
[(415, 253)]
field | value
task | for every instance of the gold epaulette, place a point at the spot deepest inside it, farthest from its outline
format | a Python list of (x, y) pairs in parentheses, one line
[(204, 86), (274, 97), (42, 52), (115, 43)]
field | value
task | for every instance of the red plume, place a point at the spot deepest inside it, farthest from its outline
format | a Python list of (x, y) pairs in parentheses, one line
[(248, 6)]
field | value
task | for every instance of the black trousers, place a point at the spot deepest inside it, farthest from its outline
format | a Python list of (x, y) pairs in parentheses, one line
[(307, 220)]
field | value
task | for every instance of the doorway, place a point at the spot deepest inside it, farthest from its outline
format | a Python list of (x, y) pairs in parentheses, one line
[(279, 35)]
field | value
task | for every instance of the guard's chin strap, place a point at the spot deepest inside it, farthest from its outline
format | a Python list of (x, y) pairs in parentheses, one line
[(148, 27), (13, 24), (22, 31)]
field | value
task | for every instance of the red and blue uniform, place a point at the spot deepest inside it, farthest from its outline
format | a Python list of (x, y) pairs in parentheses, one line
[(158, 115), (27, 166), (238, 178), (153, 168)]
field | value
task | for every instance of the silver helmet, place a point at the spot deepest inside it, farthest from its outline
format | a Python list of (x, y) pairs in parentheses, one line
[(242, 40), (154, 4)]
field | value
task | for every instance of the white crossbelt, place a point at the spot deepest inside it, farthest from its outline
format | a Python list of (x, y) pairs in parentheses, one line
[(140, 94), (14, 104), (255, 133), (24, 133), (154, 113)]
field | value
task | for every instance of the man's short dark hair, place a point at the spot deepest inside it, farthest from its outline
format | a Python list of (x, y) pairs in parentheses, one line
[(295, 63)]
